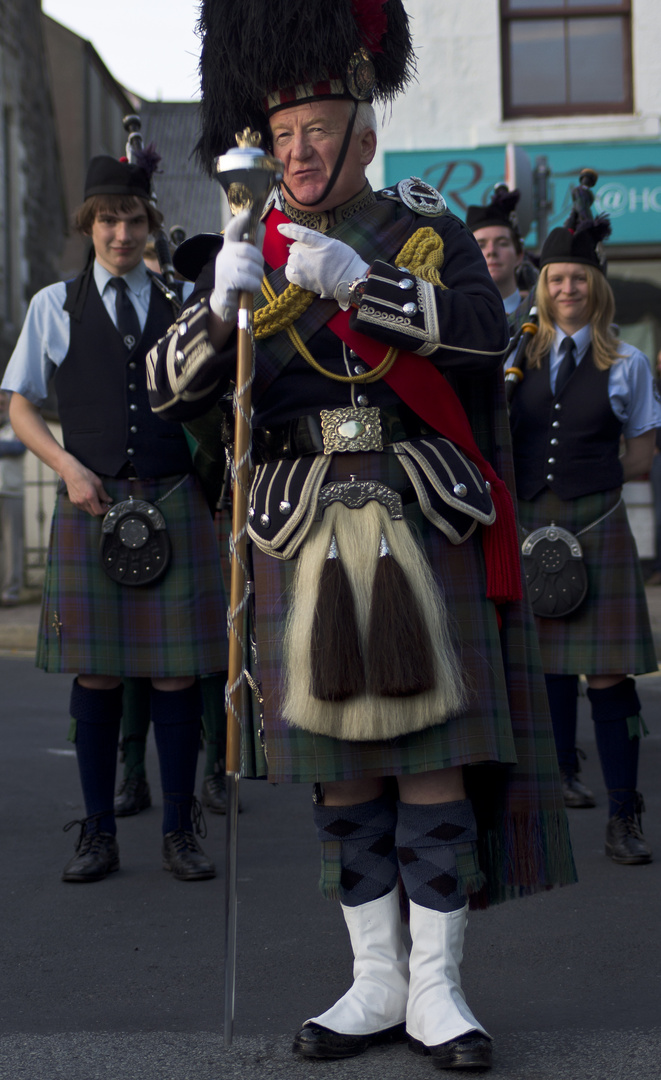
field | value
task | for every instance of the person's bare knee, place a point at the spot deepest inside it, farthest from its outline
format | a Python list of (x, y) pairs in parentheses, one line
[(439, 786), (99, 682), (352, 792), (181, 683)]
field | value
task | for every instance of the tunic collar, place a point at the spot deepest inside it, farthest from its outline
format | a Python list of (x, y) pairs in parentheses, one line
[(323, 220)]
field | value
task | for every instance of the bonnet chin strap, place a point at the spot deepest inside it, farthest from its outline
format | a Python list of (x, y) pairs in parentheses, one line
[(338, 164)]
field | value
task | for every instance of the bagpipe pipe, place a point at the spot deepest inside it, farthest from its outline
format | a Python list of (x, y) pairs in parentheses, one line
[(515, 358), (147, 157)]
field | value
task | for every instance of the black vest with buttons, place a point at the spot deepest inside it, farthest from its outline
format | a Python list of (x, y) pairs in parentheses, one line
[(102, 395), (568, 442)]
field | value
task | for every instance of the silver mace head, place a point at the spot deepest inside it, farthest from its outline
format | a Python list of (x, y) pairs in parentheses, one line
[(247, 175)]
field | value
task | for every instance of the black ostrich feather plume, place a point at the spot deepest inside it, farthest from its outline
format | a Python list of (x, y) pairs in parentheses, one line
[(253, 47)]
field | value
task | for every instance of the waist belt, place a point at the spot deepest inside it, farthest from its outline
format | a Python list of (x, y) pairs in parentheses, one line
[(316, 434)]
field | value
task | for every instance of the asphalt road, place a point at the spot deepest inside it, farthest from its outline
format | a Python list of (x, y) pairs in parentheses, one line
[(123, 979)]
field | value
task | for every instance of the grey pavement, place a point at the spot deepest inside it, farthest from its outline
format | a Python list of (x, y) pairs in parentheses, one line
[(123, 978)]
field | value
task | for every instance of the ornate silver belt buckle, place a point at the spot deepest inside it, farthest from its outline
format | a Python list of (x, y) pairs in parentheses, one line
[(350, 430)]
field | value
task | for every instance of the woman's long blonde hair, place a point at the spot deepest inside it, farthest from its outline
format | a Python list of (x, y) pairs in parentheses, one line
[(601, 312)]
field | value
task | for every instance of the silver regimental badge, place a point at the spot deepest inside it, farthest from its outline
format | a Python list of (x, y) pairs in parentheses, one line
[(421, 197)]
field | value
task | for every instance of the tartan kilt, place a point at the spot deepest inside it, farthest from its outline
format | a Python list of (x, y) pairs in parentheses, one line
[(482, 733), (176, 627), (610, 632)]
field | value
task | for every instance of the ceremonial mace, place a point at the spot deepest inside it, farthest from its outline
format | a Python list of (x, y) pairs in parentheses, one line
[(247, 175)]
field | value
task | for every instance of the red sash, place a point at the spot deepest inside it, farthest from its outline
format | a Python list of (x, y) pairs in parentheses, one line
[(425, 390)]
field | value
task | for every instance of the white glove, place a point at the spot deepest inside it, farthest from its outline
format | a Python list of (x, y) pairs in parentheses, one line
[(319, 263), (239, 267)]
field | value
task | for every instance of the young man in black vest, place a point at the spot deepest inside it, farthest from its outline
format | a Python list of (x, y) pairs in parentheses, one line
[(132, 545)]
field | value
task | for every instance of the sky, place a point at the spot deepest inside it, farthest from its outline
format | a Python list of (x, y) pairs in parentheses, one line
[(149, 46)]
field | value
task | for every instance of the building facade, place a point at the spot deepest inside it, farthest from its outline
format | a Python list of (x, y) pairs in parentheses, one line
[(577, 84)]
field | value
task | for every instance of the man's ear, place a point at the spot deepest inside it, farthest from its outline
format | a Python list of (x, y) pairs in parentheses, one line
[(367, 140)]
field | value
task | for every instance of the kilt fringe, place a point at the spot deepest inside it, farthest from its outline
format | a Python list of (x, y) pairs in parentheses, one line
[(529, 853), (368, 716)]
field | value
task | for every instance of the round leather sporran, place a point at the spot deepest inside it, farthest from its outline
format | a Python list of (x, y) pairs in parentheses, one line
[(135, 548), (555, 572)]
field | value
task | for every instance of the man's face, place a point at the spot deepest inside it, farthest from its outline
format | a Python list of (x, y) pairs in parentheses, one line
[(307, 139), (502, 257), (119, 238)]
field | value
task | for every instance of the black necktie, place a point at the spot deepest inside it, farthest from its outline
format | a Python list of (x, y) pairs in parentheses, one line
[(568, 365), (128, 322)]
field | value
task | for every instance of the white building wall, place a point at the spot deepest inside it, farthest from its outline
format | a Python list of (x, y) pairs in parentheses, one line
[(457, 101)]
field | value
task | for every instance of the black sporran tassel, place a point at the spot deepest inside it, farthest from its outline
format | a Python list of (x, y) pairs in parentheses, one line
[(399, 656), (336, 660)]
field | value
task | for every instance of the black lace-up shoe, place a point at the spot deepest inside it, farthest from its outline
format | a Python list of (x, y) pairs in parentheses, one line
[(183, 856), (315, 1041), (132, 797), (214, 795), (576, 795), (469, 1051), (625, 842), (96, 856)]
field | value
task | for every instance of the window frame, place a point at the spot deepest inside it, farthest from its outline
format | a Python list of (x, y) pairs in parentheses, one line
[(509, 15)]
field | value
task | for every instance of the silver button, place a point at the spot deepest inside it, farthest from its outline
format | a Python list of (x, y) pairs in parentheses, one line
[(133, 408), (557, 406), (180, 356), (363, 399), (353, 355), (410, 308), (132, 386), (130, 451), (554, 442), (359, 369), (132, 365), (265, 520), (551, 461), (556, 423), (405, 283), (182, 329), (550, 477), (285, 507), (133, 430), (251, 513), (488, 485), (460, 490)]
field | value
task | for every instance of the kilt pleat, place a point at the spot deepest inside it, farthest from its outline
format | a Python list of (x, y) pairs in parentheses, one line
[(610, 632), (91, 625)]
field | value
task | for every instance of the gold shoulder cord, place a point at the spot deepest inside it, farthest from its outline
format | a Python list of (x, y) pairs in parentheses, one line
[(422, 255)]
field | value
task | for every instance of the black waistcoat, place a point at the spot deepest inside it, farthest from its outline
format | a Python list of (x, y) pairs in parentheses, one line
[(102, 395), (567, 442)]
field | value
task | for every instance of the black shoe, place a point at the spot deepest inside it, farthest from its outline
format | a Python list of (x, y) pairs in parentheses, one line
[(625, 842), (184, 857), (96, 856), (576, 795), (315, 1041), (469, 1051), (214, 795), (132, 797)]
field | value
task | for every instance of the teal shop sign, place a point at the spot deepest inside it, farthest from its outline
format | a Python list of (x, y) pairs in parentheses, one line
[(629, 185)]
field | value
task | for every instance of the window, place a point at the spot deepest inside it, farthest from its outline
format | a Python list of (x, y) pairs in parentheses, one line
[(562, 57)]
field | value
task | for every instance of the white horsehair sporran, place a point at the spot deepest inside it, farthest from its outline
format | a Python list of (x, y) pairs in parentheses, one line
[(359, 539)]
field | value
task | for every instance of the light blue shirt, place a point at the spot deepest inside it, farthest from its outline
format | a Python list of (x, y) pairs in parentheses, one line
[(511, 302), (44, 339), (630, 385)]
